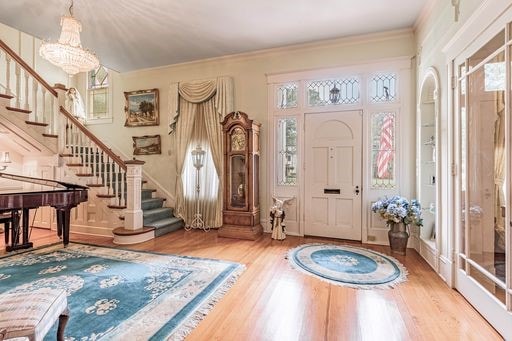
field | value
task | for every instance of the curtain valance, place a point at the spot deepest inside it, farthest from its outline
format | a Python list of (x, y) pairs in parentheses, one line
[(221, 89)]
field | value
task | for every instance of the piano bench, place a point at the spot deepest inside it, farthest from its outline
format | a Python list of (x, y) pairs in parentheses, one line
[(32, 314)]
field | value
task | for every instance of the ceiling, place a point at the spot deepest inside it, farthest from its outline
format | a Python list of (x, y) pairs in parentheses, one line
[(134, 34)]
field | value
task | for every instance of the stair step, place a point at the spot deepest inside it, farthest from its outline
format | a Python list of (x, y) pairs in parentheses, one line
[(167, 225), (121, 231), (105, 196), (39, 124), (24, 111), (116, 207), (53, 136), (148, 204), (74, 164), (94, 185), (6, 96), (147, 193), (155, 214), (84, 174), (65, 155)]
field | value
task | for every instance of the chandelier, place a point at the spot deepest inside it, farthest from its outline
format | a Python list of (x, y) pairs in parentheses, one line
[(68, 53)]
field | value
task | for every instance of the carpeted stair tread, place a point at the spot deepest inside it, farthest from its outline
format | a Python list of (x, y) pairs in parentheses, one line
[(146, 193), (151, 203), (167, 225), (163, 222), (150, 216)]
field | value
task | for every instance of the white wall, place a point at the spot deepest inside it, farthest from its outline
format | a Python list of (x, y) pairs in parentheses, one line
[(434, 29), (249, 72)]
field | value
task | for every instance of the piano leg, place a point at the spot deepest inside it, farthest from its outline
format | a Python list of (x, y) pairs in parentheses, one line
[(63, 218), (15, 231)]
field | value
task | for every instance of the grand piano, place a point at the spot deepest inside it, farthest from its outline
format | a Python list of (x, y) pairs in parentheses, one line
[(34, 193)]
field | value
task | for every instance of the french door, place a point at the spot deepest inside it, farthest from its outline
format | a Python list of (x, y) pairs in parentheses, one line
[(483, 205)]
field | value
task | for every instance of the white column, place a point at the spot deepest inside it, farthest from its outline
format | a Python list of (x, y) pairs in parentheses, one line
[(133, 211)]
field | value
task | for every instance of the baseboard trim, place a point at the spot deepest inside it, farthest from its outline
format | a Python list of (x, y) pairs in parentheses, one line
[(91, 230)]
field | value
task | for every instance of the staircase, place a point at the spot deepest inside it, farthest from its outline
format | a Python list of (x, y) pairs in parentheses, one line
[(34, 110)]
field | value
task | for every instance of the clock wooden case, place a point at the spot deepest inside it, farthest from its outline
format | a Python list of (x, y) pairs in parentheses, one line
[(241, 214)]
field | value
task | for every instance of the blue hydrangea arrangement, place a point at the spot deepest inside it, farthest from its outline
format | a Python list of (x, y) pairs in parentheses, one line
[(398, 209)]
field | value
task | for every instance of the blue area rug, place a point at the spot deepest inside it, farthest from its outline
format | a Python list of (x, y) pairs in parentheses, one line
[(116, 294), (348, 266)]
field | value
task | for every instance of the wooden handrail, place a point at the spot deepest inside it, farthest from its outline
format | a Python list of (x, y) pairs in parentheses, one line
[(90, 135), (26, 67)]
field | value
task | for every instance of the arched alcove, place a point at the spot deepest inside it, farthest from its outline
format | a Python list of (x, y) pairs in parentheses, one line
[(428, 167)]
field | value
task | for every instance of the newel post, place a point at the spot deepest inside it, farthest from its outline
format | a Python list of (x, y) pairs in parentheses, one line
[(58, 119), (133, 211)]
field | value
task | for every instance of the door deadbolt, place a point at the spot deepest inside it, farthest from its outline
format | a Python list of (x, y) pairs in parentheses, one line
[(357, 190)]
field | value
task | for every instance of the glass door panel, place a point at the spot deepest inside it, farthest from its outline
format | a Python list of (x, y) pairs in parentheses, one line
[(485, 159)]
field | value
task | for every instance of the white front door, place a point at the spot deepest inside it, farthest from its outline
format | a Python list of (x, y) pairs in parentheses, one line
[(333, 175)]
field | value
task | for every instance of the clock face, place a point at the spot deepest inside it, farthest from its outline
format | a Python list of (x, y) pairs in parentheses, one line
[(238, 139)]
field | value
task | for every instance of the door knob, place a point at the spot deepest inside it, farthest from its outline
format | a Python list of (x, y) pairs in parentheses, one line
[(357, 190)]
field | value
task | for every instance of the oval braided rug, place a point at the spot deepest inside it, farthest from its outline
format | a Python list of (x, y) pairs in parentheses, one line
[(348, 266)]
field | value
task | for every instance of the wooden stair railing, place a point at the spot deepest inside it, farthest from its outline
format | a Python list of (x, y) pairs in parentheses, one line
[(97, 161), (31, 92)]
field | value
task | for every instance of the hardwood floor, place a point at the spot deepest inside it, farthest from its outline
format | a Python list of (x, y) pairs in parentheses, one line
[(272, 301)]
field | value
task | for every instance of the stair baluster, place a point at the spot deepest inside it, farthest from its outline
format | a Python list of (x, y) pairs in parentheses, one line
[(112, 185), (35, 90), (43, 117), (123, 190), (17, 74), (26, 84), (8, 74)]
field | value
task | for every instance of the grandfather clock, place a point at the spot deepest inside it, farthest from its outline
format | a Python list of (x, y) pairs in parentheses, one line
[(241, 214)]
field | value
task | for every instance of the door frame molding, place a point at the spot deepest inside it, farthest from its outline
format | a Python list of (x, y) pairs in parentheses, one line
[(373, 230)]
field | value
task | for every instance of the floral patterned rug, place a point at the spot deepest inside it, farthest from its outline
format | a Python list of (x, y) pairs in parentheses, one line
[(348, 266), (117, 294)]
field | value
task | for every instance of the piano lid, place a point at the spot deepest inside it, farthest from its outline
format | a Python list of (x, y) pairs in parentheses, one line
[(42, 182)]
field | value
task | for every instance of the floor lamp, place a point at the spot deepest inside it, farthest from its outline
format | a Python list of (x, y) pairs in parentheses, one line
[(198, 160)]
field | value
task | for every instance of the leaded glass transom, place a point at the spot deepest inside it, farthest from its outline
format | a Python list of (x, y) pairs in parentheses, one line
[(383, 150), (383, 88), (98, 78), (98, 93), (287, 96), (333, 91), (286, 165)]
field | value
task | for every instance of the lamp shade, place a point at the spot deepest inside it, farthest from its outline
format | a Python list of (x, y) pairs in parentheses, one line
[(198, 157)]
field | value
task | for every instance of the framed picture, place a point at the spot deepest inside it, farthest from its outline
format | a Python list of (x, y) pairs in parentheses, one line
[(146, 145), (141, 108)]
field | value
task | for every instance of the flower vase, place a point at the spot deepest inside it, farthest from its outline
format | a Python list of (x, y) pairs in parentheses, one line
[(398, 237)]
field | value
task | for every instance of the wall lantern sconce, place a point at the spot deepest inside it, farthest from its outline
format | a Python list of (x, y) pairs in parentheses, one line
[(334, 95)]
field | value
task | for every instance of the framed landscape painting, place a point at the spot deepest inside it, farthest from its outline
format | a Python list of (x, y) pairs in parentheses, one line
[(141, 108), (146, 145)]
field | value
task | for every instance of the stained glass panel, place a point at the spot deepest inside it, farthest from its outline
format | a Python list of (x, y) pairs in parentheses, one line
[(286, 165), (383, 88), (333, 92), (287, 96), (383, 150)]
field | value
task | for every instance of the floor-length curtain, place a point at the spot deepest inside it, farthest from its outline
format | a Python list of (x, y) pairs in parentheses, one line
[(183, 135), (199, 107), (208, 176)]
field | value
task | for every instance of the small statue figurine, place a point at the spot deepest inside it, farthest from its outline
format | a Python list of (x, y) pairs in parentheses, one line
[(75, 105), (277, 218)]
